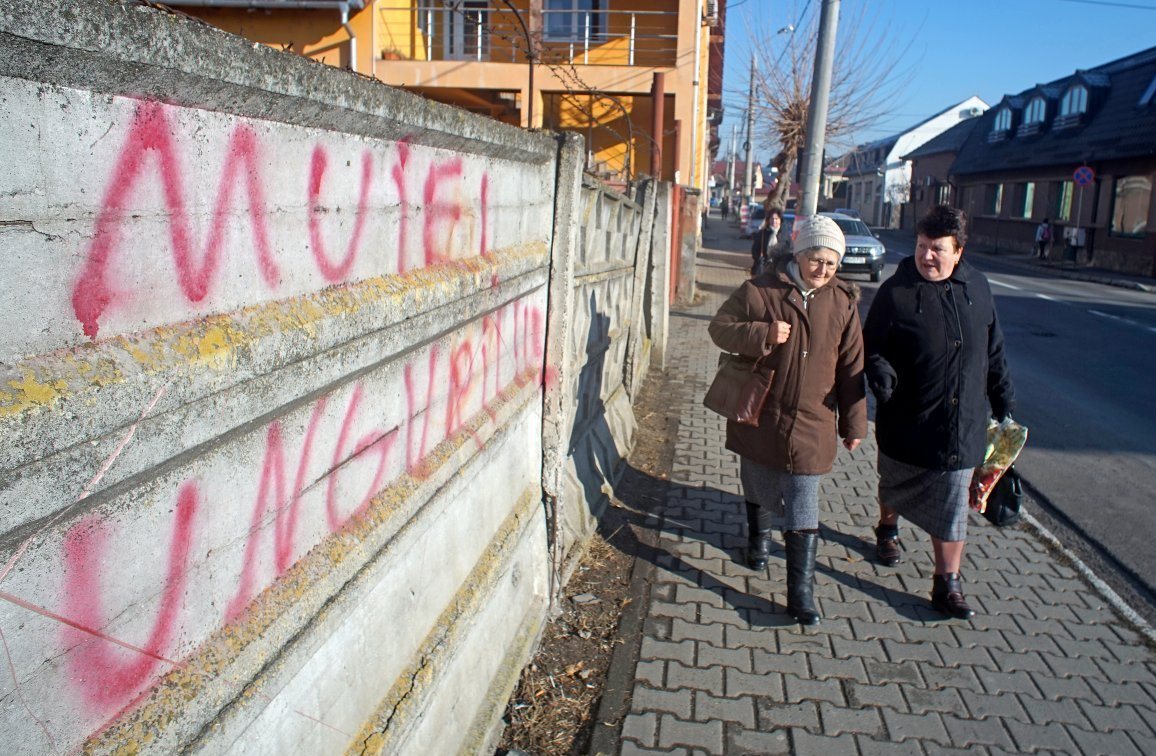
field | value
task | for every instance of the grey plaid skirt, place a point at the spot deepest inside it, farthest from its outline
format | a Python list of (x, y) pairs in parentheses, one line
[(933, 500)]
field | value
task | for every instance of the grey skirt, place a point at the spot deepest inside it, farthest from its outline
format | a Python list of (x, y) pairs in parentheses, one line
[(932, 500), (792, 500)]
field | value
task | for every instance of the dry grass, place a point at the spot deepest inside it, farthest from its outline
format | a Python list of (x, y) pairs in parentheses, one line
[(553, 708)]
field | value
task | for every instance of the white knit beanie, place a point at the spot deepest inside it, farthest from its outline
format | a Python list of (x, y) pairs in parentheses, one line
[(819, 231)]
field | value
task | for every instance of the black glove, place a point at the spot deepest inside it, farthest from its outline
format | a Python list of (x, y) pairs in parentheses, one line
[(882, 385)]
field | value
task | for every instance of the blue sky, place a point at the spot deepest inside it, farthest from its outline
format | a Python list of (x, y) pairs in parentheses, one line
[(954, 48)]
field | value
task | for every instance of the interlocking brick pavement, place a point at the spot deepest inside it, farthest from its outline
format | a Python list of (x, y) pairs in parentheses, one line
[(1047, 665)]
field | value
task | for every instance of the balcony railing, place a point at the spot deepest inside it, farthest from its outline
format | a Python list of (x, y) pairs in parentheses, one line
[(480, 30)]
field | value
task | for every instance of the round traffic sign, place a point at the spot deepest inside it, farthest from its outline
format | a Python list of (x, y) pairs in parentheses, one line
[(1084, 175)]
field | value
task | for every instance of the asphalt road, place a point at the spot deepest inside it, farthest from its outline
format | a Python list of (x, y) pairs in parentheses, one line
[(1083, 357)]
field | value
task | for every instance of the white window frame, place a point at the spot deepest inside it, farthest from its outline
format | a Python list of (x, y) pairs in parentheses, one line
[(1037, 108), (1003, 120), (1027, 199), (1124, 224), (1064, 200), (1075, 100)]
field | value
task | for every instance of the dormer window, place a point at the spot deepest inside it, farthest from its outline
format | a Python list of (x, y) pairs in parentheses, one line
[(1036, 110), (1003, 121), (1073, 106), (1075, 101), (1033, 117)]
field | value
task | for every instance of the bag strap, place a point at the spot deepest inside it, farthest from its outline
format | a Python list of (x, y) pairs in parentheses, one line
[(767, 301)]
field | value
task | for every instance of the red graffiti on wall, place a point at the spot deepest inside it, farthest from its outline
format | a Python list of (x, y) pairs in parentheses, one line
[(441, 216), (339, 271), (415, 453), (484, 193), (102, 673), (382, 441), (398, 173), (287, 513), (151, 140), (107, 678), (461, 376), (150, 133)]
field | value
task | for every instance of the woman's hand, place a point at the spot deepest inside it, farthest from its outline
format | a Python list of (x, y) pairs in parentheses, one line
[(779, 332), (852, 443)]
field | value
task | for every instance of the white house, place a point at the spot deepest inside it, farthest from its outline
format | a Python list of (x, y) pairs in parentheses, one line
[(879, 180)]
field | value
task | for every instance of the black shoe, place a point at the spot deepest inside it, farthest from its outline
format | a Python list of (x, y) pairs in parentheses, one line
[(887, 545), (758, 537), (801, 546), (947, 596)]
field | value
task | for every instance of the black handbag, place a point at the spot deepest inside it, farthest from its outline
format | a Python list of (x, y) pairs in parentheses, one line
[(1005, 500)]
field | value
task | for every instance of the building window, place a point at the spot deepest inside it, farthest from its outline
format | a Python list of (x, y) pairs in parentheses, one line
[(993, 201), (1003, 120), (1064, 191), (571, 20), (1130, 198), (1027, 198), (943, 194), (1075, 101), (1035, 111)]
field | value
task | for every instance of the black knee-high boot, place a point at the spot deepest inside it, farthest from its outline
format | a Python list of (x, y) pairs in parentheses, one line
[(758, 536), (801, 546)]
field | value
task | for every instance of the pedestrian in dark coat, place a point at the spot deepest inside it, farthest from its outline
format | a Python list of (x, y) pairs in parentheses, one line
[(769, 243), (935, 362), (804, 322)]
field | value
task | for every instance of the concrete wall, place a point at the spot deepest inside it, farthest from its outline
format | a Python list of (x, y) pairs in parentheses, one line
[(284, 436), (599, 341)]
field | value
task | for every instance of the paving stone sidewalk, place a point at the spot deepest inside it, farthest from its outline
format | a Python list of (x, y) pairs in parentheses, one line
[(1046, 666)]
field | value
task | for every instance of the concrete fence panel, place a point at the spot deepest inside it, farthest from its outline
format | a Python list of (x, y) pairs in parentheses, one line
[(273, 347), (597, 296)]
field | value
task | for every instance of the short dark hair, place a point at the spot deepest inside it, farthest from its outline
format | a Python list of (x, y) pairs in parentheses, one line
[(774, 211), (942, 221)]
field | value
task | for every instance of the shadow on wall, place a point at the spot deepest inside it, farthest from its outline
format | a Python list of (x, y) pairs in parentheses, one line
[(597, 461)]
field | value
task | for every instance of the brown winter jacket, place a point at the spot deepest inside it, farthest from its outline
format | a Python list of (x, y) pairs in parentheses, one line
[(818, 371)]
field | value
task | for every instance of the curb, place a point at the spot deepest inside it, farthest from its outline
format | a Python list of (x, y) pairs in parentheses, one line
[(1059, 272), (1075, 275), (1072, 274), (1119, 604), (605, 739)]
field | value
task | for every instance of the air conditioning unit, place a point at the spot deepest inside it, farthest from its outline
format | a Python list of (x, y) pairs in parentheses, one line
[(710, 13)]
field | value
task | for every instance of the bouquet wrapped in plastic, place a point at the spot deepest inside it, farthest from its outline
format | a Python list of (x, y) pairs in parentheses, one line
[(1005, 441)]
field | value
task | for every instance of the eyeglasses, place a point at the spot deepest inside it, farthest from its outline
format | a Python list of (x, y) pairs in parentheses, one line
[(818, 262)]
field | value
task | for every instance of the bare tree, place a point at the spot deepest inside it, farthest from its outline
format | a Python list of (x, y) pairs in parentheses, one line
[(869, 70)]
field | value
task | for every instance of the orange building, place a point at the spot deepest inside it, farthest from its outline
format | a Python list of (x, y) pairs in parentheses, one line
[(630, 75)]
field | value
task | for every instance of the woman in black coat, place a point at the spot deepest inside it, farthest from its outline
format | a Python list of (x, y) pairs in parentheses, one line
[(769, 243), (935, 362)]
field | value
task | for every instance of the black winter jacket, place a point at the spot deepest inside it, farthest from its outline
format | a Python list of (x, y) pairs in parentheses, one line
[(935, 360)]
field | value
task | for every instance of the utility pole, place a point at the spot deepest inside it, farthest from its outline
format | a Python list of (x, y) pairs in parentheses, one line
[(731, 162), (817, 118), (749, 174)]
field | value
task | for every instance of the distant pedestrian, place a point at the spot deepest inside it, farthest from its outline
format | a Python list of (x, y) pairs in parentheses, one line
[(935, 362), (804, 323), (724, 208), (1043, 239), (768, 243)]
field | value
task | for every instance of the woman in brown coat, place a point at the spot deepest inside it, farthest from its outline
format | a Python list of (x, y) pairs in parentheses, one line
[(805, 323)]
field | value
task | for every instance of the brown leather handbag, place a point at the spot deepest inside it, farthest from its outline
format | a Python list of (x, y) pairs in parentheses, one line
[(739, 389)]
